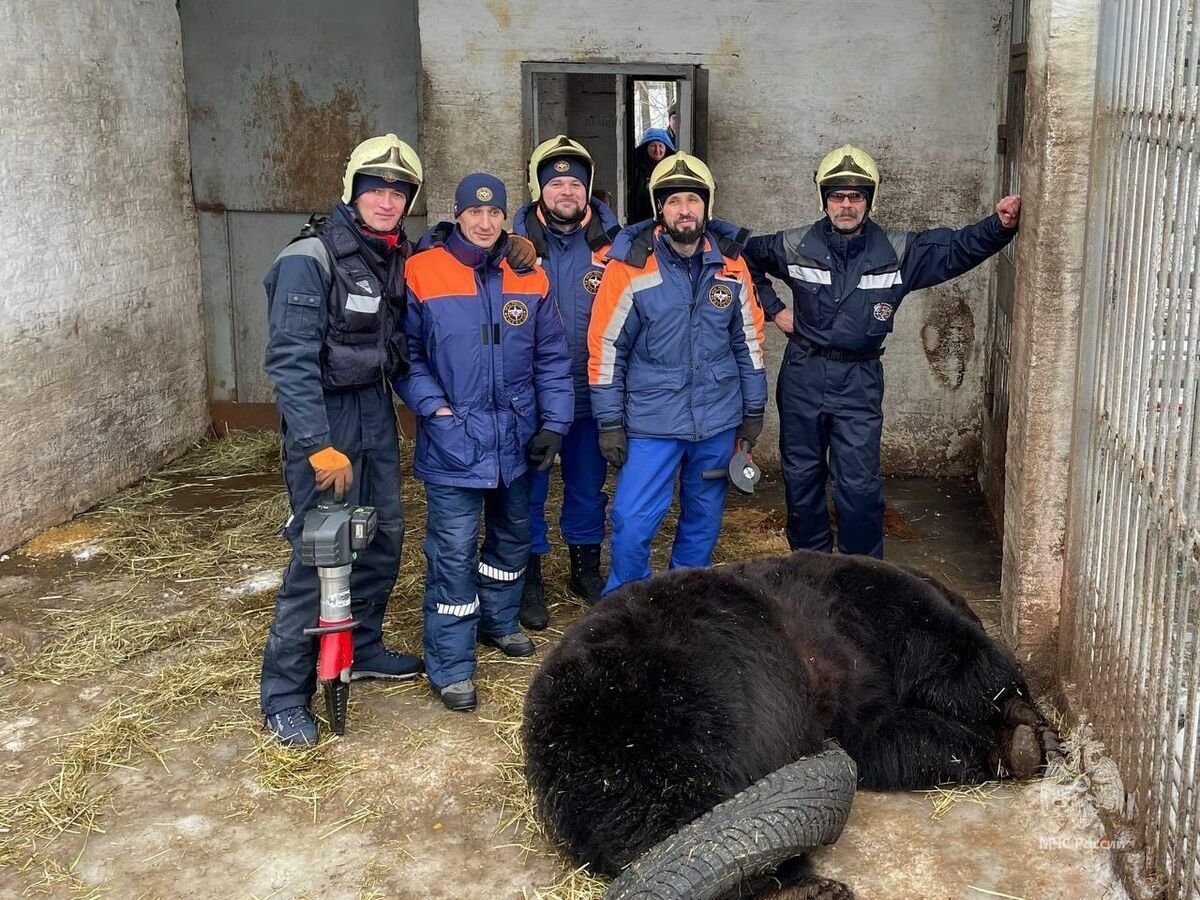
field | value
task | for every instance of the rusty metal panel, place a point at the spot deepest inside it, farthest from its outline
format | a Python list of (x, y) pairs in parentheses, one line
[(279, 91), (1133, 567), (254, 241)]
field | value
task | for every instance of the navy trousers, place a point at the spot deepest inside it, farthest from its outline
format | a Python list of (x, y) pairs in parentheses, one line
[(584, 500), (466, 590), (830, 421), (363, 427)]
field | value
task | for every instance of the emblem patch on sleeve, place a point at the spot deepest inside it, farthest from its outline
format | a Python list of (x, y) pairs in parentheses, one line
[(591, 280), (720, 296), (515, 312), (883, 311)]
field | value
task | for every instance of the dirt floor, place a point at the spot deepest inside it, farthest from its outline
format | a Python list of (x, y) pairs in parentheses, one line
[(134, 764)]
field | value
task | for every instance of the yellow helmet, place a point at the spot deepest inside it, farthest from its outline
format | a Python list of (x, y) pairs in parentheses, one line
[(847, 166), (682, 170), (559, 145), (386, 157)]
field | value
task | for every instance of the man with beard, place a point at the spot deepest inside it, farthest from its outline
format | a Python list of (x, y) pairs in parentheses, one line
[(571, 233), (335, 308), (848, 276), (675, 369)]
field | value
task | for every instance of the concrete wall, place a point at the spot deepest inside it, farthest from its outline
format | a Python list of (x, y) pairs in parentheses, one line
[(914, 82), (1055, 165), (102, 373)]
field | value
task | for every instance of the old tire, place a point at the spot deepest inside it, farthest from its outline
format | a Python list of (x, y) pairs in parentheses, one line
[(794, 809)]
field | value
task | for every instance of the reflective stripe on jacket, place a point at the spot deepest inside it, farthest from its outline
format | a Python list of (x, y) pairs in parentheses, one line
[(670, 357), (845, 292)]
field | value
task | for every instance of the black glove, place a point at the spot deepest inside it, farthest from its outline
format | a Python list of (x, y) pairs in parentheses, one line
[(542, 448), (749, 430), (521, 254), (613, 446)]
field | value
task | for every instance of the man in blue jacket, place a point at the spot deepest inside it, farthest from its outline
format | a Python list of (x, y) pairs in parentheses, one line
[(335, 305), (676, 369), (848, 276), (490, 385), (571, 233)]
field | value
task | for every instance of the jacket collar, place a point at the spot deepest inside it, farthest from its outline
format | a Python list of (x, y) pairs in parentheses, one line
[(822, 241), (476, 257)]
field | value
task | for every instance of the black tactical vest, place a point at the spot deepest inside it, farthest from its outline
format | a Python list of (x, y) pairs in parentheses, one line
[(364, 333)]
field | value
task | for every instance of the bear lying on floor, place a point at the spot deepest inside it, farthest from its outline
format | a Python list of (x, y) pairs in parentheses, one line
[(674, 694)]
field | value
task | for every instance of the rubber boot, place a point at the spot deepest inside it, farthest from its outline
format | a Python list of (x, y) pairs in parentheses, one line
[(534, 615), (586, 582)]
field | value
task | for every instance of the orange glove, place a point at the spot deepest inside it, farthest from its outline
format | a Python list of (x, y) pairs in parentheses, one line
[(333, 470)]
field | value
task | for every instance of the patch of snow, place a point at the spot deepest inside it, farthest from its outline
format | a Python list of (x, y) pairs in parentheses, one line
[(86, 552), (260, 581)]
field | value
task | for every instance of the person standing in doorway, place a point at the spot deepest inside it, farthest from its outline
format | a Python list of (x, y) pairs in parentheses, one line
[(652, 148)]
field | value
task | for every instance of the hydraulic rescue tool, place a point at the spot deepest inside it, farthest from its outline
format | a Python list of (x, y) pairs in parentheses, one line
[(743, 472), (333, 534)]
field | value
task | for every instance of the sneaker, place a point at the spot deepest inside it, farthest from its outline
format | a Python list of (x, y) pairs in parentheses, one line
[(515, 644), (293, 727), (534, 614), (390, 665), (459, 696)]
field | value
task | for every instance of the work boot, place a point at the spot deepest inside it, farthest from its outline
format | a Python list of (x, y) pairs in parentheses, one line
[(533, 598), (585, 572), (293, 727), (390, 665), (459, 696), (515, 644)]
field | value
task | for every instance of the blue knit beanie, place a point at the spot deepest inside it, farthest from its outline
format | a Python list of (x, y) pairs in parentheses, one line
[(370, 182), (563, 166), (480, 189)]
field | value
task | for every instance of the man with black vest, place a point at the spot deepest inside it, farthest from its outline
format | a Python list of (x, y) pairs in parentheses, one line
[(335, 341), (848, 276), (571, 232)]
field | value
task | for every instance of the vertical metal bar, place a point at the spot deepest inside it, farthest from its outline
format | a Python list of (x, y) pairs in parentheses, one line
[(1142, 678), (623, 174), (1136, 549), (1186, 798)]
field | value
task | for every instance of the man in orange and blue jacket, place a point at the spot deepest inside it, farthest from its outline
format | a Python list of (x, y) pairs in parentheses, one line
[(676, 369), (490, 385)]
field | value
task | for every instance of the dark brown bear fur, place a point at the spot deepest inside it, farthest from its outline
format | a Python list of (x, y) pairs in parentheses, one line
[(673, 694)]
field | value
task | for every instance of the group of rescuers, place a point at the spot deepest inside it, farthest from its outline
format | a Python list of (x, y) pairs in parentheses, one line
[(639, 348)]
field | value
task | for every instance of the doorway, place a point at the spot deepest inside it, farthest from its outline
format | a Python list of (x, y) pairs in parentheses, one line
[(609, 107)]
